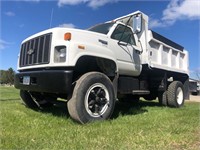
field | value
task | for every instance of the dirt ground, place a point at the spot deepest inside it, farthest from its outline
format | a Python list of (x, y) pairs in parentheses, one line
[(194, 98)]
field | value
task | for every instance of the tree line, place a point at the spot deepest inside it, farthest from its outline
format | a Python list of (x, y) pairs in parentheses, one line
[(7, 76)]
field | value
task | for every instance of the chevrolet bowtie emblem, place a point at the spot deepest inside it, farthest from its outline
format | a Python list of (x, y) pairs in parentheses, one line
[(30, 51)]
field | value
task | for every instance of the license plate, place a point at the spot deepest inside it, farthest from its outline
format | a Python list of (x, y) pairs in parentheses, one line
[(26, 80)]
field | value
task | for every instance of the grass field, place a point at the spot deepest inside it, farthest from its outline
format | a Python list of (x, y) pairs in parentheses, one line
[(144, 126)]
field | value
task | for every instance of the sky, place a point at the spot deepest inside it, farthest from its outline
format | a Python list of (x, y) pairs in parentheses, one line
[(178, 20)]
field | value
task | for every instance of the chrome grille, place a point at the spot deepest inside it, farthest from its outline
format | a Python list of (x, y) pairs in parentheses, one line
[(36, 51)]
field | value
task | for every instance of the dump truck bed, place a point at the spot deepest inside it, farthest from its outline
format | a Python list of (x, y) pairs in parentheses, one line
[(166, 54)]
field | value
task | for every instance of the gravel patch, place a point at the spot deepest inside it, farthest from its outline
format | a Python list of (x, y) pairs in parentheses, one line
[(194, 98)]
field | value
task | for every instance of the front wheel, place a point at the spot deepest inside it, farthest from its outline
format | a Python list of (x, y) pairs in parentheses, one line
[(92, 99)]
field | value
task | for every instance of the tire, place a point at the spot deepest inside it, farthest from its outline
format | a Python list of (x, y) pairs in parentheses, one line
[(175, 94), (28, 100), (162, 98), (92, 98)]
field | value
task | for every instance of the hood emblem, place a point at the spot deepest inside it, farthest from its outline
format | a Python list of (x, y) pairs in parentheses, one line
[(30, 51)]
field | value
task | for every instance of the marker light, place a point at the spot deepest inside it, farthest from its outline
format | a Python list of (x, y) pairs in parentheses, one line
[(81, 47), (67, 36)]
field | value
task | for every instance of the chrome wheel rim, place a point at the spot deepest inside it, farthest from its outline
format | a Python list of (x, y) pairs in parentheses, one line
[(97, 100)]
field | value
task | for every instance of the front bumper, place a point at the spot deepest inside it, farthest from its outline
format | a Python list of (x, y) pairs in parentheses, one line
[(47, 81)]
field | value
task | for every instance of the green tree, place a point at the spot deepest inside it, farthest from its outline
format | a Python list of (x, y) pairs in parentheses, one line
[(7, 76), (3, 77), (11, 75)]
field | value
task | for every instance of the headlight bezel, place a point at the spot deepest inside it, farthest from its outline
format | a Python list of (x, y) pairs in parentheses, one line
[(60, 54)]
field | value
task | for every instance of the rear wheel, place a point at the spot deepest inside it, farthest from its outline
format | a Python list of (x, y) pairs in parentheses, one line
[(175, 94), (92, 99), (162, 98)]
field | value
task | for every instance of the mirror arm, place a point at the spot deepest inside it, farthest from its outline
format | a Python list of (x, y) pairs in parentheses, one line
[(141, 47)]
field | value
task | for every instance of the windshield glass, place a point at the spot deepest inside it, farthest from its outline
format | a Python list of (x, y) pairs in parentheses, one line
[(101, 28)]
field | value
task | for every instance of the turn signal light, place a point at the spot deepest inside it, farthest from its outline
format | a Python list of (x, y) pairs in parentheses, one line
[(67, 36), (81, 47)]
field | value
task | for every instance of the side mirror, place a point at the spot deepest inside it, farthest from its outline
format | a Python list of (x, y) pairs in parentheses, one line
[(137, 23)]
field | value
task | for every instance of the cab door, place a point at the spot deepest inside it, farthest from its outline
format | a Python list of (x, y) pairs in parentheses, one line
[(127, 52)]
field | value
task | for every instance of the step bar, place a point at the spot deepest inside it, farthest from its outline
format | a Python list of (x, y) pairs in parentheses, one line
[(140, 92)]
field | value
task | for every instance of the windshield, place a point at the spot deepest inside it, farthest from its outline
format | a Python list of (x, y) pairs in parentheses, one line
[(101, 28)]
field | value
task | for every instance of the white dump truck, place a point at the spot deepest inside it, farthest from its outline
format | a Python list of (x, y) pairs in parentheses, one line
[(90, 69)]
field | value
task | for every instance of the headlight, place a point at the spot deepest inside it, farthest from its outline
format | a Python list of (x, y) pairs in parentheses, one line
[(60, 54)]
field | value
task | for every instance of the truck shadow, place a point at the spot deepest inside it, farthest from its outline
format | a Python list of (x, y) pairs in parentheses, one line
[(121, 109), (57, 110), (132, 108)]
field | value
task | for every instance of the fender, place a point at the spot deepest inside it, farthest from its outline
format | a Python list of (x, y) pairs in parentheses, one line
[(85, 43)]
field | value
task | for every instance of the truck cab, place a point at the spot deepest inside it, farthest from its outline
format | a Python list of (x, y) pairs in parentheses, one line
[(124, 44)]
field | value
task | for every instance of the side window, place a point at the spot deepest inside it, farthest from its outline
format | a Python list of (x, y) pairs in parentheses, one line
[(124, 34)]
